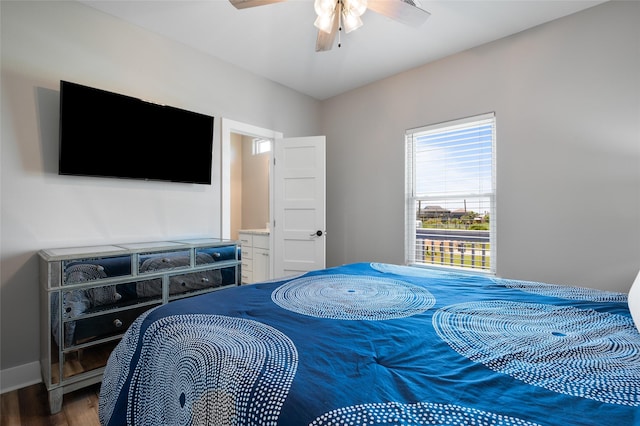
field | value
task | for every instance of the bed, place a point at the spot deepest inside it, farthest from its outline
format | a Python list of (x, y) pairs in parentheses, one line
[(380, 344)]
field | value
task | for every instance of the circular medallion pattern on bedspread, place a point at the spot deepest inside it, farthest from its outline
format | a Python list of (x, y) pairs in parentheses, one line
[(572, 351), (353, 297), (117, 370), (219, 370), (421, 413)]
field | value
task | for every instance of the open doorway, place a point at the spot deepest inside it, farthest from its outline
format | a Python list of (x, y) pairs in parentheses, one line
[(246, 191), (296, 205), (250, 157), (233, 130)]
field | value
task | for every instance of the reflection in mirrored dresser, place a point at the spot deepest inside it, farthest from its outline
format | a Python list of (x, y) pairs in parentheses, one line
[(90, 296)]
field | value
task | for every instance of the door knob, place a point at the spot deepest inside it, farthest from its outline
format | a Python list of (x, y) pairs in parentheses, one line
[(318, 233)]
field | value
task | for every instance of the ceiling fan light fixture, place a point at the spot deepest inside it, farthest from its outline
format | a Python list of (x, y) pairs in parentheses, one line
[(324, 7), (350, 11), (324, 23), (350, 22), (336, 16), (356, 7)]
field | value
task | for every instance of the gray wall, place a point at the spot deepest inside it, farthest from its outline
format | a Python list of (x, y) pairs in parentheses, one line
[(567, 102), (44, 42)]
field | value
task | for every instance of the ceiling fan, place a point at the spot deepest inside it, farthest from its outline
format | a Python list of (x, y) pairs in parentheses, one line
[(338, 15)]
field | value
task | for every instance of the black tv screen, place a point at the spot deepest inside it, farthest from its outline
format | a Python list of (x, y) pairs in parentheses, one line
[(107, 134)]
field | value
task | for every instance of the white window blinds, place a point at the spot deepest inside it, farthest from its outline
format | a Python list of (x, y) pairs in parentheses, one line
[(450, 194)]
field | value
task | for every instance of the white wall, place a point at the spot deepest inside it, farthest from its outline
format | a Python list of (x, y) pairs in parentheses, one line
[(567, 102), (44, 42)]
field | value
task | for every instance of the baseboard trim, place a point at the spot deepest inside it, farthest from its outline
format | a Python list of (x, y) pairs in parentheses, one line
[(19, 377)]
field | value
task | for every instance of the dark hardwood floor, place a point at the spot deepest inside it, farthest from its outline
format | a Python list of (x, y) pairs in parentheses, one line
[(30, 406)]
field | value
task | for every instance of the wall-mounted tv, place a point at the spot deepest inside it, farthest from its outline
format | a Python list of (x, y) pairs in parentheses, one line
[(107, 134)]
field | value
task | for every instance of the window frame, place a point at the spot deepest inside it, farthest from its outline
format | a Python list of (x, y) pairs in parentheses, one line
[(411, 197), (258, 146)]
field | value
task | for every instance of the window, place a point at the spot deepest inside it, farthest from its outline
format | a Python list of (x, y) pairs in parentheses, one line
[(260, 146), (450, 194)]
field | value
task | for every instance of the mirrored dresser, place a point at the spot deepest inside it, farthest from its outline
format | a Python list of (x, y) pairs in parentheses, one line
[(90, 296)]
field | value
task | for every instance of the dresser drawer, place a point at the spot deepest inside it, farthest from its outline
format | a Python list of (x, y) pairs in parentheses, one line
[(77, 304), (150, 263), (186, 284), (82, 361), (206, 255), (107, 324), (91, 269)]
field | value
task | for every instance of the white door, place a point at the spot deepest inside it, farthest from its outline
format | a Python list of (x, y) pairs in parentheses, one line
[(298, 209)]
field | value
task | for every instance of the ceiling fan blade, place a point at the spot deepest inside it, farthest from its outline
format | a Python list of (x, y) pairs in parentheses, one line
[(243, 4), (404, 11), (325, 41)]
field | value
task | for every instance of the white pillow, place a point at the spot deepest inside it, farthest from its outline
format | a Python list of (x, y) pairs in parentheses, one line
[(634, 301)]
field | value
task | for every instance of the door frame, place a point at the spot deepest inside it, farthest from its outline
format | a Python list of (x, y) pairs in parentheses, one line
[(227, 128)]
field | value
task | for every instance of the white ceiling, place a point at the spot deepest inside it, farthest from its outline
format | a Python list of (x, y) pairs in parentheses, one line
[(277, 41)]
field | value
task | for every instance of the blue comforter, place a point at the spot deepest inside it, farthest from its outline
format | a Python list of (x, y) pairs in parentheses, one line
[(380, 344)]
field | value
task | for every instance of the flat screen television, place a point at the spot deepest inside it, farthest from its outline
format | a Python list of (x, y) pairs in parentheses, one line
[(106, 134)]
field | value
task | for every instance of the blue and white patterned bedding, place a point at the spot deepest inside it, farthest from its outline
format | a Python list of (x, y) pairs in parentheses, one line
[(380, 344)]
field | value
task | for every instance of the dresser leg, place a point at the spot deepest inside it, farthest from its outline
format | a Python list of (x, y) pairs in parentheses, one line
[(55, 400)]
